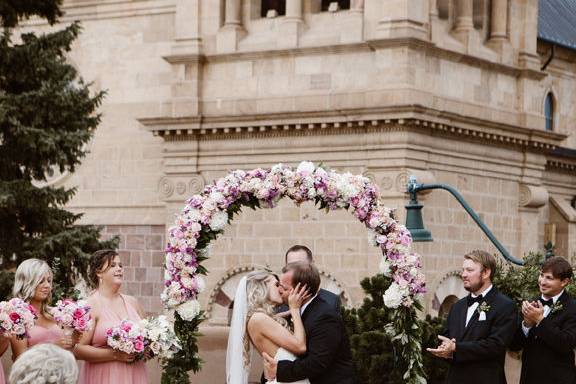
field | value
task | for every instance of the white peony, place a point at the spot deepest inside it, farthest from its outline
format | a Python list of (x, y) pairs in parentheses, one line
[(219, 221), (189, 310), (385, 267), (393, 296), (305, 168)]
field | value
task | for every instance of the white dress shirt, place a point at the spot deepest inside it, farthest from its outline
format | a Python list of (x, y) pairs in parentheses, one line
[(547, 310), (473, 307)]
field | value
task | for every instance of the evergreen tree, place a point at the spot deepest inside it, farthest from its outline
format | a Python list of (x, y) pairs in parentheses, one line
[(373, 352), (47, 115)]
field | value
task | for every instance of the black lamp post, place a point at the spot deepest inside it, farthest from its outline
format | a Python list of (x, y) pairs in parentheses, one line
[(415, 224)]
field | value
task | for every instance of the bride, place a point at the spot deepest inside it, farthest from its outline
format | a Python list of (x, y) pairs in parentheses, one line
[(255, 323)]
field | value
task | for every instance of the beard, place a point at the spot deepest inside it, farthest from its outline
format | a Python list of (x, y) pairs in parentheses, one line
[(474, 287)]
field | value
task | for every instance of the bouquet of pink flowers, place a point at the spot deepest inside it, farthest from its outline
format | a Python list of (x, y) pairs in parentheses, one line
[(16, 317), (128, 337), (70, 314)]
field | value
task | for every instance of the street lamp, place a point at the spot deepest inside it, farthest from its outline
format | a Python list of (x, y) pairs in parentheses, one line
[(415, 224)]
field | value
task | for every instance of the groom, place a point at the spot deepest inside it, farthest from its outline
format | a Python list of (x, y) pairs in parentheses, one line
[(328, 358)]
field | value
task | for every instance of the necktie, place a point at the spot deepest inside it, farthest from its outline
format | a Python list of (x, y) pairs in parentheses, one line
[(471, 300), (548, 302)]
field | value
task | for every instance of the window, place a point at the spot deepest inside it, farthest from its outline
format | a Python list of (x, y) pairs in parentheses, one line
[(549, 111), (342, 4), (273, 5)]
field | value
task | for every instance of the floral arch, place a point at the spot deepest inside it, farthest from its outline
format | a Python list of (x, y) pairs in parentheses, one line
[(205, 215)]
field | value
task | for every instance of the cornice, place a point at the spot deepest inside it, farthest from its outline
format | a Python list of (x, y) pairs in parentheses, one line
[(365, 46), (562, 165), (352, 121)]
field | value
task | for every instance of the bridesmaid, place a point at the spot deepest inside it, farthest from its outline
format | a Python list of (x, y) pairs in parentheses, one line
[(33, 284), (109, 308), (4, 342)]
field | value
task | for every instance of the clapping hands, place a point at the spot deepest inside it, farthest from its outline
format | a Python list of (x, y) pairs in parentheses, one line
[(533, 313), (445, 349)]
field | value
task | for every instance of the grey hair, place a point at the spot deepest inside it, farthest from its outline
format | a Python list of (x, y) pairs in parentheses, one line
[(257, 295), (43, 364), (28, 275)]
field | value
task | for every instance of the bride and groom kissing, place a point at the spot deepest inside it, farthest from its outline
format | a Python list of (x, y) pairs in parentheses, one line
[(307, 344)]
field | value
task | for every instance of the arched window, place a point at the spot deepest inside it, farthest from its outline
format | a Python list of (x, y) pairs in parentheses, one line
[(549, 111)]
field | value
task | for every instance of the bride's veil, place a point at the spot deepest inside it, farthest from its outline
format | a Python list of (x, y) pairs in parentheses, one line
[(236, 372)]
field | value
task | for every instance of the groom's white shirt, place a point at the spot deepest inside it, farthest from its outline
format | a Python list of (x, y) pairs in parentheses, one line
[(303, 308)]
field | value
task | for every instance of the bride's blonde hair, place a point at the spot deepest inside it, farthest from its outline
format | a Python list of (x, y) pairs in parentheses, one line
[(257, 294)]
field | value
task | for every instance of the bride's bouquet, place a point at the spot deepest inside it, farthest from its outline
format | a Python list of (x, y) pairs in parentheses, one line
[(160, 339), (72, 315), (128, 337), (16, 318)]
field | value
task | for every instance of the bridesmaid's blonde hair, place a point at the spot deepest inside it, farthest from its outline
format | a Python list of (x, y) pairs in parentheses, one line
[(29, 275), (257, 295)]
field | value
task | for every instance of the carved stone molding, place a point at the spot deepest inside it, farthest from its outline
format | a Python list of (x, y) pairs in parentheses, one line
[(532, 196), (354, 121), (180, 188)]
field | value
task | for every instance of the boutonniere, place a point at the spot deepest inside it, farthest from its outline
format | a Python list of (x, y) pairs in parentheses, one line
[(482, 310), (557, 307)]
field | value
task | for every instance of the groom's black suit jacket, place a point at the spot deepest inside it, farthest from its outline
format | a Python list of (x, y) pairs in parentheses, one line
[(548, 351), (481, 346), (328, 359)]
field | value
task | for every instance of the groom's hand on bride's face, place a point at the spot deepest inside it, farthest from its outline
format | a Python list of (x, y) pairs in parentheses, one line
[(270, 366)]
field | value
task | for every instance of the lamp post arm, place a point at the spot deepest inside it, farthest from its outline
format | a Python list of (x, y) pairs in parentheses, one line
[(414, 188)]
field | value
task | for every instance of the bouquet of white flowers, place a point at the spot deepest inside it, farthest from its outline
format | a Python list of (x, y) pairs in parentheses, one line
[(160, 338)]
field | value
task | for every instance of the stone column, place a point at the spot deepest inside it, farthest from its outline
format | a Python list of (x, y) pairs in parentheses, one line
[(464, 9), (291, 27), (499, 20), (233, 15), (232, 31)]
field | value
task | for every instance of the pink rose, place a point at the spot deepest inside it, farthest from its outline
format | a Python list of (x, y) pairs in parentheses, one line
[(138, 346), (78, 313), (14, 317)]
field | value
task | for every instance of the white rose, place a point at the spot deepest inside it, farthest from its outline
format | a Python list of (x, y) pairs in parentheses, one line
[(189, 310), (219, 221), (385, 267), (200, 283), (393, 296), (305, 168), (193, 215)]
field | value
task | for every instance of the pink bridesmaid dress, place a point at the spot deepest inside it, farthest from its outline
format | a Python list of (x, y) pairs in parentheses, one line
[(112, 372), (41, 335), (2, 379)]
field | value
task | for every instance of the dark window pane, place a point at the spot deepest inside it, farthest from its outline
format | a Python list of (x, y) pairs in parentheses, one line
[(278, 5), (344, 4), (549, 112)]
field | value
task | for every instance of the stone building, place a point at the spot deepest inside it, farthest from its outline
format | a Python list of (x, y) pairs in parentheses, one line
[(471, 93)]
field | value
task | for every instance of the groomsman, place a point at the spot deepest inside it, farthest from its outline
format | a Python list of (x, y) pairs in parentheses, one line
[(480, 326), (547, 332)]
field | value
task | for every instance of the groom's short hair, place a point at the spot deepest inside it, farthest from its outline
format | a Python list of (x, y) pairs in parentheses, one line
[(304, 273), (485, 259)]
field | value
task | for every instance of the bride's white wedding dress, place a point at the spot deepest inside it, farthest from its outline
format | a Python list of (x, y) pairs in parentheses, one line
[(283, 354), (237, 371)]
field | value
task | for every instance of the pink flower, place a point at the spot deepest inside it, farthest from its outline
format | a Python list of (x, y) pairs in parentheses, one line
[(14, 317), (138, 346), (78, 313)]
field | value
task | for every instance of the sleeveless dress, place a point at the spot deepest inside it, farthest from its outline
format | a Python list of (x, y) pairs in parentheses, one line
[(283, 354), (112, 372), (41, 335)]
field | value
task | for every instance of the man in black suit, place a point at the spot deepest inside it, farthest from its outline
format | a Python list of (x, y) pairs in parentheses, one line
[(298, 253), (547, 332), (328, 358), (480, 326)]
